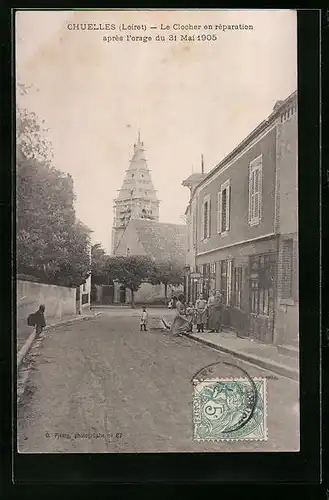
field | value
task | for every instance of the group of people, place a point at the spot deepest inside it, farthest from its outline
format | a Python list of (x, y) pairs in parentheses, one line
[(204, 314)]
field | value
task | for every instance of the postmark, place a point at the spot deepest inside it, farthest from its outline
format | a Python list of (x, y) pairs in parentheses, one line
[(231, 409)]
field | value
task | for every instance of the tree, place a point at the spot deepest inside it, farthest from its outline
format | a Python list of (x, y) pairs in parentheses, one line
[(131, 272), (51, 244), (99, 265), (69, 265), (31, 133), (168, 272)]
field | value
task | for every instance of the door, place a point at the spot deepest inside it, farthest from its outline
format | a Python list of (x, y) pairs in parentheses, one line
[(262, 292), (93, 294), (239, 312), (206, 276), (107, 294), (122, 294)]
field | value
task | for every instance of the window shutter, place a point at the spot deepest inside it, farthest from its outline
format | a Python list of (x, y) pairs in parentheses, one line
[(228, 207), (209, 219), (254, 187), (260, 189), (257, 193), (250, 196), (202, 222), (219, 219)]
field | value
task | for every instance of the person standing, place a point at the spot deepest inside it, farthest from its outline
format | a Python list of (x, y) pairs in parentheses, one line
[(190, 314), (144, 319), (180, 323), (215, 313), (210, 302), (39, 319), (201, 313)]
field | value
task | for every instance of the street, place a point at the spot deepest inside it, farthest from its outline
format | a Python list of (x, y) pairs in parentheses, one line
[(103, 386)]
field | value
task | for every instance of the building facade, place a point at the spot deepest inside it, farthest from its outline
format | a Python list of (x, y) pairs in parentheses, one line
[(243, 231)]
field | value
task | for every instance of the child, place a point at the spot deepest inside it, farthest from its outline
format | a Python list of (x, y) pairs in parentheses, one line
[(201, 313), (144, 318), (190, 314)]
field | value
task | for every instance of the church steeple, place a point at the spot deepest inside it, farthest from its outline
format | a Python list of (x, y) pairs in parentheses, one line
[(137, 197)]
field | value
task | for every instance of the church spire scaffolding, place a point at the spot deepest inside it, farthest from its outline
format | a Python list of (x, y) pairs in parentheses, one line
[(137, 197)]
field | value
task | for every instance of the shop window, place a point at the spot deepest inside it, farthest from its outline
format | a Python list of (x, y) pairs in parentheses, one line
[(262, 277), (225, 272)]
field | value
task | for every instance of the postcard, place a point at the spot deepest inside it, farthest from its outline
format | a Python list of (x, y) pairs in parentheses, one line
[(157, 231)]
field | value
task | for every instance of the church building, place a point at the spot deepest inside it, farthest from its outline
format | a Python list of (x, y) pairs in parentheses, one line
[(137, 230)]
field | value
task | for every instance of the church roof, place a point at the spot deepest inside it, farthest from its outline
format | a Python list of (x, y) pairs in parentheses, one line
[(137, 182), (161, 240)]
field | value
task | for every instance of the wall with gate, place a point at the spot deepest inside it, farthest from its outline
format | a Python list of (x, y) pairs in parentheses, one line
[(60, 302)]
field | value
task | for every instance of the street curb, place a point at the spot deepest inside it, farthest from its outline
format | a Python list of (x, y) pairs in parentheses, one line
[(272, 366), (27, 345)]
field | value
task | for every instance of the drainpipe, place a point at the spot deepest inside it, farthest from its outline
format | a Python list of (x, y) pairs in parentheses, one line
[(197, 226), (276, 339)]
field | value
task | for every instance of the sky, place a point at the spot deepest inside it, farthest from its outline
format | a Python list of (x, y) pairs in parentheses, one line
[(187, 97)]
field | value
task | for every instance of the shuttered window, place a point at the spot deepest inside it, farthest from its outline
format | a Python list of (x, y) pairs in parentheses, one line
[(255, 191), (223, 209), (206, 218)]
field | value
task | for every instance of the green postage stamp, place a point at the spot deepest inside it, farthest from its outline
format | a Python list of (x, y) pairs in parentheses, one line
[(231, 409)]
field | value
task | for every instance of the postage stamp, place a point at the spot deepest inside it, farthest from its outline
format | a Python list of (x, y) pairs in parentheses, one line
[(231, 409)]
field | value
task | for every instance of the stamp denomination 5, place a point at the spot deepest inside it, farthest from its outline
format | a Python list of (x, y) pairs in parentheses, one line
[(230, 409)]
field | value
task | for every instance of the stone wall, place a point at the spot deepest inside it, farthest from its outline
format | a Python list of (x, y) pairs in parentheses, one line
[(59, 301)]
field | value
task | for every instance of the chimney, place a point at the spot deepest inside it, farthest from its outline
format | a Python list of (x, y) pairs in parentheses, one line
[(202, 164)]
